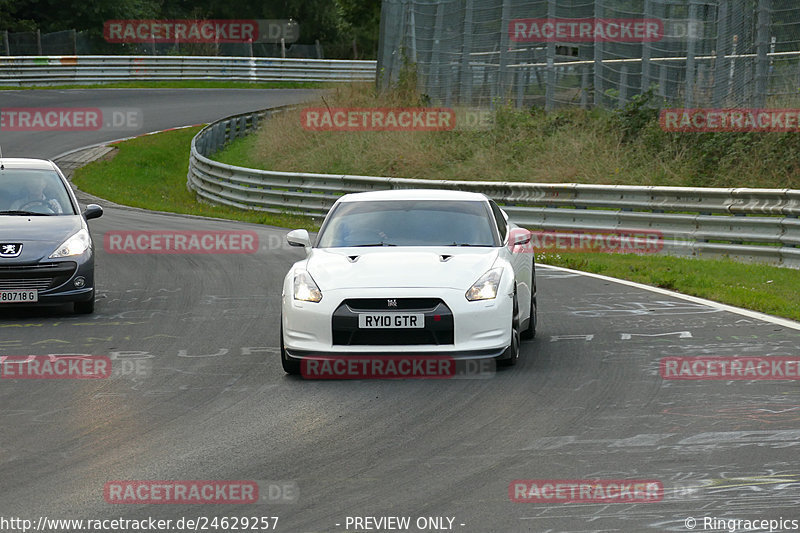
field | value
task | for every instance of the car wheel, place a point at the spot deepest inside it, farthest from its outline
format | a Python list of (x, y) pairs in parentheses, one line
[(84, 308), (530, 331), (510, 356), (290, 366)]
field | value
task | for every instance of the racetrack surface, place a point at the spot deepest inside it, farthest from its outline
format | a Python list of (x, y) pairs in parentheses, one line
[(585, 401), (153, 110)]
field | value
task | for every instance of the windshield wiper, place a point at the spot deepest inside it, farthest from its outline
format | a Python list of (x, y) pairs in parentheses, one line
[(469, 244), (24, 213), (376, 244)]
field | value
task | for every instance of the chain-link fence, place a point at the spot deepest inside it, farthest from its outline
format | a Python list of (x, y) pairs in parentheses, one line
[(550, 53)]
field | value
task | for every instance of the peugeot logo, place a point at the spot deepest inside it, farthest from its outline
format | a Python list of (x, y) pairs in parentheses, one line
[(391, 303), (10, 249)]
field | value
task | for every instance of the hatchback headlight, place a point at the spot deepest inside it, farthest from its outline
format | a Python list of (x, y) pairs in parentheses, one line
[(75, 245), (305, 289), (486, 286)]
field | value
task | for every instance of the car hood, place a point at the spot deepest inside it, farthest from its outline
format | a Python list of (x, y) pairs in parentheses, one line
[(39, 235), (446, 266)]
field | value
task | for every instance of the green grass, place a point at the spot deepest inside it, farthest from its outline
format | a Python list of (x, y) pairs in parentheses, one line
[(763, 288), (150, 172), (189, 84)]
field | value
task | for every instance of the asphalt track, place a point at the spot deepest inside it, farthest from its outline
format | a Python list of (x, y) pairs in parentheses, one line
[(211, 402)]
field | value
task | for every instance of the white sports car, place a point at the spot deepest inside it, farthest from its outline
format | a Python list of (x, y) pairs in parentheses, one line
[(410, 272)]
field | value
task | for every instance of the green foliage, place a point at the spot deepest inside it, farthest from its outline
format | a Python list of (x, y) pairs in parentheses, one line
[(640, 111)]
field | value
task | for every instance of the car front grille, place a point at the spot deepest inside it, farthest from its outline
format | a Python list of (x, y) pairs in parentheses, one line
[(438, 322), (41, 277)]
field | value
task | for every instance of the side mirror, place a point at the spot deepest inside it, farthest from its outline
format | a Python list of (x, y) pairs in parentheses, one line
[(92, 211), (299, 237), (520, 236)]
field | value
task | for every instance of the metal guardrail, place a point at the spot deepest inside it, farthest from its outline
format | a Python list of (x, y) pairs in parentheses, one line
[(744, 224), (59, 70)]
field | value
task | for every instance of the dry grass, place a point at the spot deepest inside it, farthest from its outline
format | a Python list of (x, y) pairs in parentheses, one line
[(570, 145)]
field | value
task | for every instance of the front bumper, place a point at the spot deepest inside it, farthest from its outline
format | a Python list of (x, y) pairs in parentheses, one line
[(54, 281), (478, 330)]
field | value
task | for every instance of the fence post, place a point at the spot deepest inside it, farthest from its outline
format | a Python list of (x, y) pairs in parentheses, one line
[(585, 87), (39, 42), (720, 61), (505, 40), (465, 89), (662, 80), (550, 87), (623, 86), (691, 46), (5, 43), (646, 48), (598, 59), (762, 60), (436, 52)]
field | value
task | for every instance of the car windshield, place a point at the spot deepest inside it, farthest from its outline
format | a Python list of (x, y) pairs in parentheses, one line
[(408, 223), (33, 192)]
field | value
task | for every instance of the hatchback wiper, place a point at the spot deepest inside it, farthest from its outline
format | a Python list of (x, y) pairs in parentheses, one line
[(376, 244), (24, 213)]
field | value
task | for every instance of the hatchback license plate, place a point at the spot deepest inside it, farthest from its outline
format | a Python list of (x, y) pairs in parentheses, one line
[(18, 296), (390, 320)]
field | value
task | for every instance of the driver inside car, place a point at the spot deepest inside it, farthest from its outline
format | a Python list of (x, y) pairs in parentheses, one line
[(35, 197)]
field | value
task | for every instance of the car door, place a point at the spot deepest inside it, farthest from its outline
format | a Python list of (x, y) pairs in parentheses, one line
[(520, 257)]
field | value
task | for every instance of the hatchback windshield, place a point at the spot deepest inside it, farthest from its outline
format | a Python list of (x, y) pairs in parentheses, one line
[(33, 192), (409, 223)]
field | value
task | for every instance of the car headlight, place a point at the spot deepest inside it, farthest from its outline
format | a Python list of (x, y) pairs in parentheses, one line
[(75, 245), (486, 286), (305, 288)]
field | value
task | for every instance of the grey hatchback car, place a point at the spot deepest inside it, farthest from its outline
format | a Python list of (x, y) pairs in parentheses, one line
[(46, 252)]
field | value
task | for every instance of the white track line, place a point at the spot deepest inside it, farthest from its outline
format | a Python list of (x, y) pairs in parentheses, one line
[(723, 307)]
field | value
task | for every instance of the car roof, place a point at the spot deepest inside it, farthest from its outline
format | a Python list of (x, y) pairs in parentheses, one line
[(27, 163), (414, 194)]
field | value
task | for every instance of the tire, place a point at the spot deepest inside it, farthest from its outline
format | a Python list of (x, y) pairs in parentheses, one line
[(530, 331), (290, 366), (84, 308), (510, 356)]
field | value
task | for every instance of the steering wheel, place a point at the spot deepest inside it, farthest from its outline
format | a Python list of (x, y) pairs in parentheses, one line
[(33, 203)]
